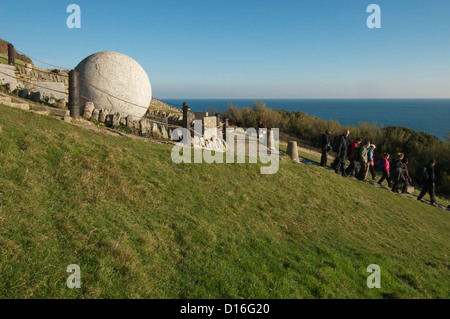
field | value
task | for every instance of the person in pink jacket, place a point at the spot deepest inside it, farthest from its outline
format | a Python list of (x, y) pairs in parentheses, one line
[(386, 169)]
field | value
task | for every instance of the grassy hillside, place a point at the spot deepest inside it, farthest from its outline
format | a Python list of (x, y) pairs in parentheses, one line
[(140, 226), (20, 59)]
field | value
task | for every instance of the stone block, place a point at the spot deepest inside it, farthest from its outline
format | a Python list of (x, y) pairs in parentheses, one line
[(200, 115), (292, 151), (22, 106), (23, 93), (95, 114), (145, 126), (156, 132), (164, 133), (36, 96), (116, 119), (133, 123), (103, 114), (109, 120), (88, 109)]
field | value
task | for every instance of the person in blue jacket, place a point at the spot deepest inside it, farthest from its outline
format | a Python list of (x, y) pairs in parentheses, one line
[(370, 157)]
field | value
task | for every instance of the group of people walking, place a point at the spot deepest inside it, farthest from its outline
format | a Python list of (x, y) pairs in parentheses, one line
[(361, 157)]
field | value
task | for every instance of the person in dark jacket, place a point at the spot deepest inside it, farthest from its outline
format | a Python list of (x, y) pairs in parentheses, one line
[(325, 145), (351, 157), (406, 177), (429, 183), (341, 157), (397, 172)]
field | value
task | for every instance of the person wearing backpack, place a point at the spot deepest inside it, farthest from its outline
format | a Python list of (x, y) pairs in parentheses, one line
[(397, 176), (429, 182), (407, 178), (325, 146), (386, 169), (340, 147), (351, 156), (370, 156), (361, 155)]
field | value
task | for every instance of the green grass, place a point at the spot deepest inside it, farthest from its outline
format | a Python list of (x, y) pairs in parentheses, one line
[(4, 60), (154, 107), (140, 226)]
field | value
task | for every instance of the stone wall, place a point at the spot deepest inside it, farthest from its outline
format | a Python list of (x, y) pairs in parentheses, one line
[(10, 76), (32, 73), (157, 124), (157, 128), (41, 86), (50, 84)]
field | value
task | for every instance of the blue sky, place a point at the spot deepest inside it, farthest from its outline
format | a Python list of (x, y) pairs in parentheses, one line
[(251, 49)]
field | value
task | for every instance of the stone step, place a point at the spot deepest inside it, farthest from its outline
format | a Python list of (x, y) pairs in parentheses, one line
[(50, 110), (22, 106), (5, 100), (46, 113)]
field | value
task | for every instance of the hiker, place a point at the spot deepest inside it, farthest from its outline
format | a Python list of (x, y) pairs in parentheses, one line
[(325, 145), (385, 167), (340, 147), (370, 157), (429, 182), (397, 176), (363, 160), (407, 178), (351, 156)]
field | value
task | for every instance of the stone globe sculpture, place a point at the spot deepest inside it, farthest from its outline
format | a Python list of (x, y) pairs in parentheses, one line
[(118, 83)]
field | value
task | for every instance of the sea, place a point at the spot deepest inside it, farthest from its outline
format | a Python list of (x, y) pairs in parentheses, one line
[(423, 115)]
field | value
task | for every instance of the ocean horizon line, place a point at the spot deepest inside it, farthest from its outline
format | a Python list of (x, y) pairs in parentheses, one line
[(428, 115)]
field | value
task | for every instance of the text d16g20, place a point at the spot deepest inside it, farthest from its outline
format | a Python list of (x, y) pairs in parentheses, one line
[(250, 308)]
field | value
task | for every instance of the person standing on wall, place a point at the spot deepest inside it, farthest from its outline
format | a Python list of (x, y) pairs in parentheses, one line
[(325, 146)]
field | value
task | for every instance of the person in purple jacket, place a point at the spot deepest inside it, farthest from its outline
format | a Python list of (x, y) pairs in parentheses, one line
[(386, 169)]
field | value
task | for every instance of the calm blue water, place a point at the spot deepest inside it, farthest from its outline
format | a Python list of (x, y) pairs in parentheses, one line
[(423, 115)]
